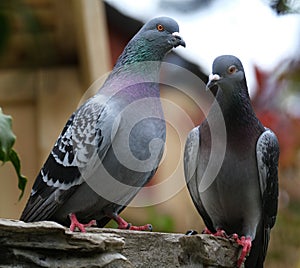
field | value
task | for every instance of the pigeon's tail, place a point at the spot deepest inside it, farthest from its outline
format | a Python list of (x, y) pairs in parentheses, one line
[(259, 247), (40, 208), (29, 213)]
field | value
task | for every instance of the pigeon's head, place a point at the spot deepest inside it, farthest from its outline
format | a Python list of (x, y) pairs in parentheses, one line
[(160, 35), (151, 43), (227, 74)]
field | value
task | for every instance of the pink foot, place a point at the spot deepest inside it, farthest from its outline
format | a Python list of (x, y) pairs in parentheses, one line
[(246, 243), (76, 224), (219, 232), (206, 231), (122, 224)]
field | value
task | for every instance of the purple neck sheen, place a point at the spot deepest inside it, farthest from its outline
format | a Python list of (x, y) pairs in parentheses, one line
[(138, 80)]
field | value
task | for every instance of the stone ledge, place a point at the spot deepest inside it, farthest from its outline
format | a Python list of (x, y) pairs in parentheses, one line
[(48, 244)]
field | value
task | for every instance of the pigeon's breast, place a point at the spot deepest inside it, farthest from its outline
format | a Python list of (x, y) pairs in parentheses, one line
[(141, 143), (137, 137), (233, 199)]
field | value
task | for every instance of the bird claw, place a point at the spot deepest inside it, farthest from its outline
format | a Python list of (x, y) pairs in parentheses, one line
[(75, 224), (122, 224), (147, 227), (219, 232), (206, 231), (246, 243), (129, 226)]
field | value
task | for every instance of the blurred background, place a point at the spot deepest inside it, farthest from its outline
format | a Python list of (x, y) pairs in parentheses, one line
[(51, 51)]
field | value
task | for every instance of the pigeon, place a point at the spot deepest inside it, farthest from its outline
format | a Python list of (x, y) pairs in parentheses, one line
[(240, 199), (112, 144)]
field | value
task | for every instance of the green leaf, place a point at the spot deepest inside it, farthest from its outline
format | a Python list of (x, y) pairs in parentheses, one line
[(13, 157), (7, 137), (7, 140)]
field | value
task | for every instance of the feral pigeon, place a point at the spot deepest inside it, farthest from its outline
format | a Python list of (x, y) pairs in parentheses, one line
[(240, 199), (111, 145)]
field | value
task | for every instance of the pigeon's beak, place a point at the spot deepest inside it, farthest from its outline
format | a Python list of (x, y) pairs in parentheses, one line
[(212, 84), (177, 40)]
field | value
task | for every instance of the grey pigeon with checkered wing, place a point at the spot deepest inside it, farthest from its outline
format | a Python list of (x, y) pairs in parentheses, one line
[(111, 146)]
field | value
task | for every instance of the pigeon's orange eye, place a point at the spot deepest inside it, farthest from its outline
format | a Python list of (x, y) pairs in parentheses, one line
[(232, 69), (160, 27)]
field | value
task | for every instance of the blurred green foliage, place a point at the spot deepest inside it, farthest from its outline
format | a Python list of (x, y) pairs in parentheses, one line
[(285, 243), (161, 222), (7, 153), (285, 6)]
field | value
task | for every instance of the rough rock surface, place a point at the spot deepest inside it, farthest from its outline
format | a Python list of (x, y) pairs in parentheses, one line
[(48, 244)]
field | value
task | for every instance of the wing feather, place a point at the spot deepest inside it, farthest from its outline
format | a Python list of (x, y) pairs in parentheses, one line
[(191, 159), (267, 150), (75, 152)]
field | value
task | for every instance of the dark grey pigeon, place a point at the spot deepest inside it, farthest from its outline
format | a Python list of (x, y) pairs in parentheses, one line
[(241, 199), (111, 146)]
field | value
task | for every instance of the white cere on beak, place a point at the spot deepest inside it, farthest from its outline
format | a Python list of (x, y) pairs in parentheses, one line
[(214, 77), (176, 34)]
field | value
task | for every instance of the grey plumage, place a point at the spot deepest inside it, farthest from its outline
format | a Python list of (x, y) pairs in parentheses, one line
[(242, 198), (111, 146)]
